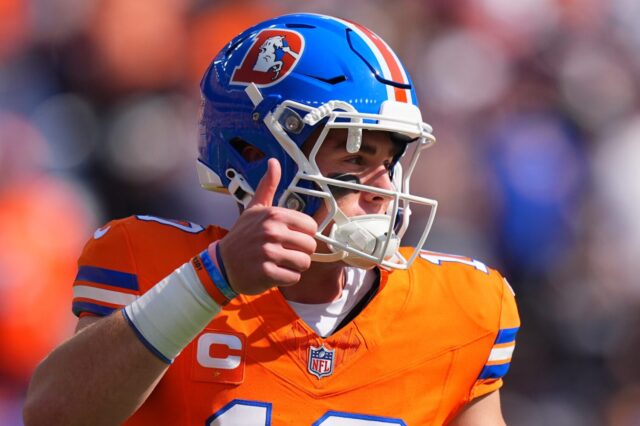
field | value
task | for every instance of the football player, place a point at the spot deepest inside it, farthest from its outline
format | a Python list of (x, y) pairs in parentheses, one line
[(308, 311)]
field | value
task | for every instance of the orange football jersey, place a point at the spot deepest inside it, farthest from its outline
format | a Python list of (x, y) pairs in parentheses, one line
[(433, 338)]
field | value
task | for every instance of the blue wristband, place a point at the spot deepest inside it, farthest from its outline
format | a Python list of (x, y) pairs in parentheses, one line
[(221, 263), (217, 278)]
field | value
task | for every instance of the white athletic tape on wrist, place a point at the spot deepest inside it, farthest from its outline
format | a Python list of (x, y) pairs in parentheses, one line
[(172, 313)]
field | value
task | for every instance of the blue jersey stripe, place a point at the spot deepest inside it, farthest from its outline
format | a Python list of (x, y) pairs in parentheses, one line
[(507, 335), (494, 371), (80, 307), (108, 277)]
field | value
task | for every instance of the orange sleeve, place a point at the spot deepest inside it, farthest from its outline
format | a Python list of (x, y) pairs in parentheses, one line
[(499, 359), (107, 279)]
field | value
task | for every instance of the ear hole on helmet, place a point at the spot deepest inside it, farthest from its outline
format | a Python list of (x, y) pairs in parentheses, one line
[(249, 152)]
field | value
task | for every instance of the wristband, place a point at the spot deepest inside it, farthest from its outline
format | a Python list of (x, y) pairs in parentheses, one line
[(215, 275), (207, 281), (219, 261)]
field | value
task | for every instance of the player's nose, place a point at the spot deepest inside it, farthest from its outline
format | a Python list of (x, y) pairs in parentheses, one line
[(378, 179)]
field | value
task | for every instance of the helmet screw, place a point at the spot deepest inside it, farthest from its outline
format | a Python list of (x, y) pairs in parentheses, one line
[(293, 124), (255, 116), (293, 203)]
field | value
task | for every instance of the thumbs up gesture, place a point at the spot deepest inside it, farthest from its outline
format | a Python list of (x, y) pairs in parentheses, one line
[(267, 246)]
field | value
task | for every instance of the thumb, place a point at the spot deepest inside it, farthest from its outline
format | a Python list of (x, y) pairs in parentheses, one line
[(268, 185)]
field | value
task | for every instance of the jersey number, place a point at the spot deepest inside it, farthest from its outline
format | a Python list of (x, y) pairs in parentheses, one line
[(438, 258), (190, 227), (256, 413)]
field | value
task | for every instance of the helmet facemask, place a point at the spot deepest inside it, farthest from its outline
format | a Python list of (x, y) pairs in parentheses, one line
[(365, 240)]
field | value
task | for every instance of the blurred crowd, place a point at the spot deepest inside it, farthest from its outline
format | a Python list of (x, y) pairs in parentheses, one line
[(535, 105)]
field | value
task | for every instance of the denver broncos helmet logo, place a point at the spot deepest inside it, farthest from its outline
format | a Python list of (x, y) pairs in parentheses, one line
[(271, 57)]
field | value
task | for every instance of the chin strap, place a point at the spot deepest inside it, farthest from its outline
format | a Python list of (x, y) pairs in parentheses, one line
[(329, 257)]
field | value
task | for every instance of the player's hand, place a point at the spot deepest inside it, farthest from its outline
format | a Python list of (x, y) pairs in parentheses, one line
[(267, 246)]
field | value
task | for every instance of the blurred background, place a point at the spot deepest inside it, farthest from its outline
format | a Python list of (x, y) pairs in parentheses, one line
[(535, 104)]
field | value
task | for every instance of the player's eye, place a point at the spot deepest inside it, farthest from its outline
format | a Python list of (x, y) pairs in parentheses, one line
[(356, 159)]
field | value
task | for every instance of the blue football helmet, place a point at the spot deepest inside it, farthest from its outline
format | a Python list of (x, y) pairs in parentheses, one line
[(275, 84)]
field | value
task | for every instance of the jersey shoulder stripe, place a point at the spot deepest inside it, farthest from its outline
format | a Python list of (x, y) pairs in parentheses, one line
[(106, 296), (486, 303), (109, 277), (499, 359), (129, 256), (507, 335)]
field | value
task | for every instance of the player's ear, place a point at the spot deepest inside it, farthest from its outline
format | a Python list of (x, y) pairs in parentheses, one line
[(249, 152)]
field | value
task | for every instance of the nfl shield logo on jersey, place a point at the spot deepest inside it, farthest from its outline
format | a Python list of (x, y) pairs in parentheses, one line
[(271, 57), (321, 361)]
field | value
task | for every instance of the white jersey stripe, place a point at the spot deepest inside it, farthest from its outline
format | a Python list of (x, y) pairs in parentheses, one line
[(102, 295), (501, 354)]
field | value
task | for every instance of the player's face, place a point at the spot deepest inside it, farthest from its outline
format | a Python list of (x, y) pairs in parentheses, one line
[(369, 166)]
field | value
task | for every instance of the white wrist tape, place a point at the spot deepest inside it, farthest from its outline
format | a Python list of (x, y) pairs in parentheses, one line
[(172, 313)]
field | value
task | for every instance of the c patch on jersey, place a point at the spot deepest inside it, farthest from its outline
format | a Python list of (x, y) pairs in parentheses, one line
[(321, 361), (271, 57), (219, 357)]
